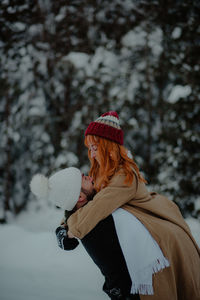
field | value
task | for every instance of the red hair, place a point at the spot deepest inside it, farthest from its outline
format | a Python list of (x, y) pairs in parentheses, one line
[(112, 158)]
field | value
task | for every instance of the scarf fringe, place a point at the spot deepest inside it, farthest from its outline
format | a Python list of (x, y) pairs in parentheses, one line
[(142, 289), (155, 267)]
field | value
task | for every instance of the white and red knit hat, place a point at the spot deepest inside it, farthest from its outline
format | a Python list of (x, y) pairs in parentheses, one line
[(107, 126)]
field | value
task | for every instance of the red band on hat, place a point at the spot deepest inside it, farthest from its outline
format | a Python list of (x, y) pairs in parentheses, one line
[(108, 130)]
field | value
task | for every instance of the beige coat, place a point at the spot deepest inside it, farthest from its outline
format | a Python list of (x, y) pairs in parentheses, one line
[(180, 281)]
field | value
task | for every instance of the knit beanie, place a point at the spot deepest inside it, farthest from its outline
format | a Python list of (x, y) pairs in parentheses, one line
[(62, 188), (107, 126)]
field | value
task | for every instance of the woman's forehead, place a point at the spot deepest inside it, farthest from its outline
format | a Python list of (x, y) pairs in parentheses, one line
[(91, 139)]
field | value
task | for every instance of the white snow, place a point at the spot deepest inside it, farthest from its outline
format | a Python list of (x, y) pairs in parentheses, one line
[(155, 41), (35, 29), (176, 33), (132, 86), (79, 59), (19, 26), (71, 159), (133, 122), (5, 2), (134, 38), (139, 37), (76, 122), (197, 201), (114, 91), (60, 160), (61, 15), (179, 91), (33, 267), (107, 58)]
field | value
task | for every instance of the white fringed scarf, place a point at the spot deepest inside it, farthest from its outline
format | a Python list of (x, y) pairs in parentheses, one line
[(142, 254)]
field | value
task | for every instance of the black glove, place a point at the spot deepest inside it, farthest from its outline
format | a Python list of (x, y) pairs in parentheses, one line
[(64, 242)]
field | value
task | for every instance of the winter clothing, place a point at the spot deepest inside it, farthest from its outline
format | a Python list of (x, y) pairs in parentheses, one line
[(65, 182), (103, 247), (64, 242), (107, 126), (141, 264), (162, 218), (116, 294)]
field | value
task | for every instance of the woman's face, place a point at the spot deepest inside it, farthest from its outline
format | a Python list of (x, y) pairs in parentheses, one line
[(87, 184), (93, 148)]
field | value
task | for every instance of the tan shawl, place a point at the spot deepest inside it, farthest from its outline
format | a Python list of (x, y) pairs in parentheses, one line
[(165, 223)]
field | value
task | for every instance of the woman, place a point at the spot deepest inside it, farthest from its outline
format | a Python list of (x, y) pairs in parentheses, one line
[(120, 184)]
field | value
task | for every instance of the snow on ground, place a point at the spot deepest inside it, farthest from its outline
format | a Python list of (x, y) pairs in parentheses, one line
[(33, 267)]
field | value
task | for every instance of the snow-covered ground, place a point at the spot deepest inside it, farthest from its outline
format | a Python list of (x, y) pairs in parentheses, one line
[(33, 267)]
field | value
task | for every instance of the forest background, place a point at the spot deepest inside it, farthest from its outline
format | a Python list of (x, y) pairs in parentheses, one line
[(64, 63)]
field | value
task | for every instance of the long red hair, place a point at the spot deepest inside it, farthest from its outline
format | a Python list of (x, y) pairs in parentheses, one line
[(112, 158)]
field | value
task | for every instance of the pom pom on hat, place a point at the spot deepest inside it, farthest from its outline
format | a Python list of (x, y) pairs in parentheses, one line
[(39, 186), (62, 188), (107, 126)]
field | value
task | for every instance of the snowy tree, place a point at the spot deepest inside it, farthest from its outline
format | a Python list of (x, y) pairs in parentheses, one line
[(63, 63)]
